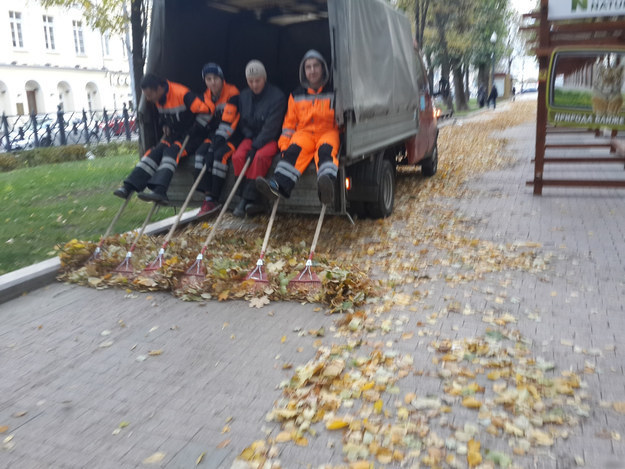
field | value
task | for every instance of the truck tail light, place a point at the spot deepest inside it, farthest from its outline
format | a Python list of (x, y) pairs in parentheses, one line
[(348, 183)]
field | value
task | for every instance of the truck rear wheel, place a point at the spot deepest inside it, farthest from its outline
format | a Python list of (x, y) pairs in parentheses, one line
[(383, 206)]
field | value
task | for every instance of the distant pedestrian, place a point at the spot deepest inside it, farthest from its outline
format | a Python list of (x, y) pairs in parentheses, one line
[(492, 97), (481, 96), (513, 93)]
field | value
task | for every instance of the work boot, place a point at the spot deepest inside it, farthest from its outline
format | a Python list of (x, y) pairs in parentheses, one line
[(269, 188), (252, 209), (123, 192), (154, 196), (239, 211), (325, 185), (208, 208)]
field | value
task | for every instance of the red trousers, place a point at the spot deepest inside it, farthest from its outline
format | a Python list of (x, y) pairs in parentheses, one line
[(261, 162)]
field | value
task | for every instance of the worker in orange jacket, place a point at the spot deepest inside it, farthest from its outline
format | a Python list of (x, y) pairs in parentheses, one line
[(181, 112), (309, 131), (223, 100)]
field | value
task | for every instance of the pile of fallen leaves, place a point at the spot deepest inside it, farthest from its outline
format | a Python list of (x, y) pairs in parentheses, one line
[(220, 274), (492, 389)]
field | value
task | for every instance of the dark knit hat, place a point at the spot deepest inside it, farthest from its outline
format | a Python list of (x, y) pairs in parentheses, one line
[(213, 68)]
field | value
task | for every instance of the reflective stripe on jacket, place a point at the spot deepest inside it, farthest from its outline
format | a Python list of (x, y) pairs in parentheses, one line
[(180, 108), (308, 111), (225, 110)]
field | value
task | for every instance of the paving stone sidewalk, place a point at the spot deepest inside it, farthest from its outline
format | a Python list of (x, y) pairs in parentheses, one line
[(80, 389)]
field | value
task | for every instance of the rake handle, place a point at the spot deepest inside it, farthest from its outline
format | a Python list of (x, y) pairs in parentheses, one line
[(313, 246), (114, 220), (237, 183), (145, 223), (274, 209)]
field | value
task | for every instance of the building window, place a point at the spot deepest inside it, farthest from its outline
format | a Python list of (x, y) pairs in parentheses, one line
[(106, 49), (15, 19), (48, 32), (79, 43)]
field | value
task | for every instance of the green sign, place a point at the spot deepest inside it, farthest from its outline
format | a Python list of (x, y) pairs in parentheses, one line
[(585, 88), (567, 9)]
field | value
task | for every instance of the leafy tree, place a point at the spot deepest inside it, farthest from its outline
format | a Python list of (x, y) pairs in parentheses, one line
[(112, 16), (455, 35)]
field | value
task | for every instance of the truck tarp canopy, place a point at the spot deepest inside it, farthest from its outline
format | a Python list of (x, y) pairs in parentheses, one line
[(375, 63), (366, 42)]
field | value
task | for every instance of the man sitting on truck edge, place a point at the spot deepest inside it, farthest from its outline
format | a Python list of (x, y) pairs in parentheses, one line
[(223, 100), (262, 108), (309, 131), (181, 112)]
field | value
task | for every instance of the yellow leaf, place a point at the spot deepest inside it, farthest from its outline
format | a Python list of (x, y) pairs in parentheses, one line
[(618, 406), (385, 456), (200, 458), (155, 458), (336, 424), (223, 296), (223, 444), (226, 429), (154, 353), (283, 339), (283, 437), (302, 441), (473, 455), (377, 407), (4, 428), (471, 403), (367, 386), (361, 465)]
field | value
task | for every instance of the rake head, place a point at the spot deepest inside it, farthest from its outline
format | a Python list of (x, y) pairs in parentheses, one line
[(96, 254), (126, 265), (156, 264), (194, 274), (258, 275), (306, 278)]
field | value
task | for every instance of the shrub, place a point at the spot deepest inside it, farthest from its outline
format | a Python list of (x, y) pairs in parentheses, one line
[(8, 162), (50, 155), (114, 149), (61, 154)]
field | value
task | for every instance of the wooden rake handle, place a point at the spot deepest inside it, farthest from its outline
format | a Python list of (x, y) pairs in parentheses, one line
[(313, 246), (237, 183)]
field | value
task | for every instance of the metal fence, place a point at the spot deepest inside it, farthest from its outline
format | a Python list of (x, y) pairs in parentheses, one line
[(67, 128)]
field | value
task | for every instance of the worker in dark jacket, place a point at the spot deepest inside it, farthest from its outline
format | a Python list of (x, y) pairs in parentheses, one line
[(223, 100), (182, 113), (309, 131), (262, 108)]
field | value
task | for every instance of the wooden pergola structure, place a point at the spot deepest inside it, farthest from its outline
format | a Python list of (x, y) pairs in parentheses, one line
[(599, 31)]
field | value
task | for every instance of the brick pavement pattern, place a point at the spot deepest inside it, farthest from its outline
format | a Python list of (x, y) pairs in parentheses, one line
[(80, 389)]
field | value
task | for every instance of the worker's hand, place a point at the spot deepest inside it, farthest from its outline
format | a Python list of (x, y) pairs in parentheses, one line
[(197, 129), (166, 131), (218, 141), (251, 154)]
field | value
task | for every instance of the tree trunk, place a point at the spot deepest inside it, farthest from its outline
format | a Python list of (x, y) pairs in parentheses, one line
[(467, 91), (137, 25), (461, 98), (482, 75)]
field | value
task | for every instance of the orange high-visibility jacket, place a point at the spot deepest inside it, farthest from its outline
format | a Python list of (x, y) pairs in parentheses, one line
[(180, 107), (308, 111), (225, 110)]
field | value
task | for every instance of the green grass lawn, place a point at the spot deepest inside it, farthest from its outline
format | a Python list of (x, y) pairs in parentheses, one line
[(473, 106), (52, 204)]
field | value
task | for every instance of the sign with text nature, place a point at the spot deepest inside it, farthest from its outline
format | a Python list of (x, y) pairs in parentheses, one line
[(567, 9), (585, 88)]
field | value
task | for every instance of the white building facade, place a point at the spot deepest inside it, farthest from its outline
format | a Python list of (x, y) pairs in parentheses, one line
[(49, 57)]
